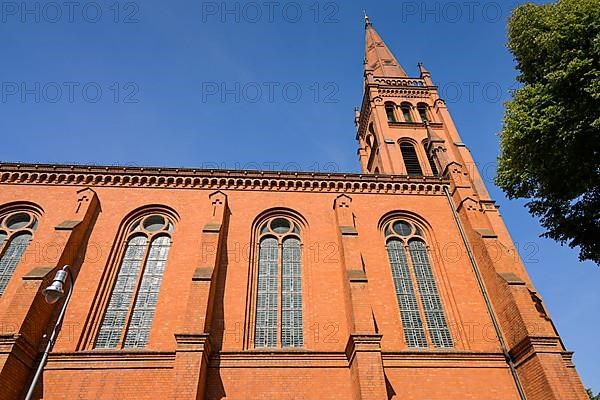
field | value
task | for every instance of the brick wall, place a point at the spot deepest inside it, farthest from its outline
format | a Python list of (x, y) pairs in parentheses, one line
[(323, 369)]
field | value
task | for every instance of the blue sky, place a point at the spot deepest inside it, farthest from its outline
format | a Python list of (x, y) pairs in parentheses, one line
[(269, 85)]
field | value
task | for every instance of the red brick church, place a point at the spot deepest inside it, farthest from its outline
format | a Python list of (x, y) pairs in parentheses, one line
[(401, 282)]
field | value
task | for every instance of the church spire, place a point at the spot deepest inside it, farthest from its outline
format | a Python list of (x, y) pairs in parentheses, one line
[(378, 56)]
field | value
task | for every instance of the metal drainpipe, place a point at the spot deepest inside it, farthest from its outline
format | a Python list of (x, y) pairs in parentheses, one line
[(488, 304)]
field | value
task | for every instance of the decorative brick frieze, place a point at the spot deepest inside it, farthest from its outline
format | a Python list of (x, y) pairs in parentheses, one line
[(218, 179)]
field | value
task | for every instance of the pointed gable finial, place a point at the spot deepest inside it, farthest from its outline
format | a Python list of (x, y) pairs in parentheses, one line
[(367, 20), (425, 75)]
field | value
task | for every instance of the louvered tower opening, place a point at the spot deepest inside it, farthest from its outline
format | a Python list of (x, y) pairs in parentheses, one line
[(411, 161)]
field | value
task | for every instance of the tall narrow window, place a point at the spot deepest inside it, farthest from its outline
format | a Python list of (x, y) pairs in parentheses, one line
[(278, 318), (414, 332), (430, 298), (422, 109), (291, 294), (403, 237), (390, 112), (411, 160), (16, 231), (267, 293), (128, 317), (405, 107)]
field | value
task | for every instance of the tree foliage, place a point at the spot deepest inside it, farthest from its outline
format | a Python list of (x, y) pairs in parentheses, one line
[(550, 142), (591, 395)]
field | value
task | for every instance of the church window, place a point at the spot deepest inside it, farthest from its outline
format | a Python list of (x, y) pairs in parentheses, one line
[(278, 317), (420, 305), (16, 232), (130, 311)]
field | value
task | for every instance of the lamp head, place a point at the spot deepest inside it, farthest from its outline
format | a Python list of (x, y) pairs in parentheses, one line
[(56, 290)]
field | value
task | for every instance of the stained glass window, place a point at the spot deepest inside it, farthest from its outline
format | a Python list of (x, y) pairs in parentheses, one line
[(127, 321), (278, 318), (414, 332), (291, 295), (11, 257), (16, 231), (430, 298), (267, 294), (117, 311), (401, 234), (147, 297)]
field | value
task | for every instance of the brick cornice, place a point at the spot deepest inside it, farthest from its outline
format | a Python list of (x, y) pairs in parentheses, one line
[(19, 346), (103, 359), (532, 345), (367, 342), (401, 82), (403, 92), (414, 124), (193, 342), (270, 358), (188, 178), (406, 358), (440, 358)]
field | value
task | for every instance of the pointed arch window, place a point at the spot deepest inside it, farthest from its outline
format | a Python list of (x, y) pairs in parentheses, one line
[(130, 311), (421, 309), (278, 314), (411, 160), (16, 232)]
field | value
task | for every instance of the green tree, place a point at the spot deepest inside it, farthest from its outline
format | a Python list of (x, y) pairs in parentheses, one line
[(550, 142), (591, 394)]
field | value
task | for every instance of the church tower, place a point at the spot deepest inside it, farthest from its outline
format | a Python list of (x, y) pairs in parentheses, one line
[(401, 117), (404, 129)]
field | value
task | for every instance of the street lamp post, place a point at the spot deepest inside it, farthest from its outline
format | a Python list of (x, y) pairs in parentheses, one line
[(52, 294)]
